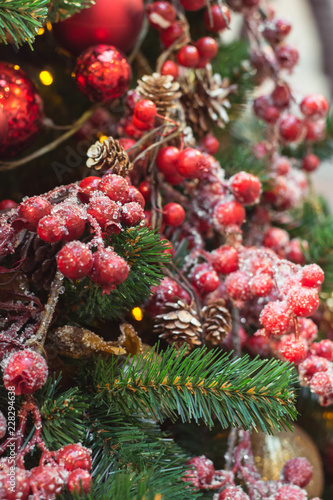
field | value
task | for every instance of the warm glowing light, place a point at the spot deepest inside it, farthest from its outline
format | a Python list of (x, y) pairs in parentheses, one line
[(102, 139), (40, 31), (16, 66), (49, 26), (137, 313), (45, 77)]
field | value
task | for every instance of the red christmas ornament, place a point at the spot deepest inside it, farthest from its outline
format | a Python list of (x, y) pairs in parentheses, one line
[(205, 279), (26, 371), (74, 218), (293, 350), (51, 229), (210, 144), (106, 212), (145, 110), (21, 480), (48, 481), (131, 214), (161, 15), (314, 106), (233, 493), (108, 21), (175, 32), (312, 275), (190, 162), (207, 47), (230, 212), (321, 383), (166, 160), (170, 68), (136, 195), (297, 471), (237, 286), (225, 259), (102, 73), (75, 260), (21, 110), (276, 318), (261, 285), (74, 456), (303, 301), (245, 187), (109, 269), (79, 480), (88, 186), (32, 210), (290, 128), (290, 492), (188, 56), (203, 468), (115, 187)]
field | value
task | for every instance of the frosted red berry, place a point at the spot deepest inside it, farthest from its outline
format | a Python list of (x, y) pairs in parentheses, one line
[(303, 301), (216, 21), (75, 260), (79, 481), (204, 468), (193, 4), (225, 259), (297, 471), (314, 106), (136, 195), (207, 47), (131, 213), (106, 212), (233, 493), (109, 269), (314, 130), (295, 251), (161, 14), (276, 318), (262, 284), (293, 350), (188, 56), (166, 160), (47, 481), (281, 96), (245, 187), (205, 279), (190, 162), (32, 210), (287, 56), (115, 187), (8, 204), (321, 383), (312, 275), (275, 238), (307, 329), (87, 186), (74, 219), (51, 229), (145, 110), (167, 291), (290, 128), (290, 492), (277, 31), (170, 68), (324, 349), (20, 478), (173, 214), (312, 365), (271, 115), (282, 165), (310, 162), (140, 125), (237, 285), (74, 456), (174, 32), (229, 212), (26, 371)]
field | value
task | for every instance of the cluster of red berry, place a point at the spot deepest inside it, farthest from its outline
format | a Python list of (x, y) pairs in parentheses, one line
[(24, 372), (105, 204), (295, 475), (163, 17)]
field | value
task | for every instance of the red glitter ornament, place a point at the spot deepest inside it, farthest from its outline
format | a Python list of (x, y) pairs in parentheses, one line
[(22, 105), (203, 468), (233, 493), (26, 371), (47, 481), (79, 480), (297, 471), (102, 73), (75, 260), (108, 22), (109, 269), (21, 480), (74, 456), (276, 318)]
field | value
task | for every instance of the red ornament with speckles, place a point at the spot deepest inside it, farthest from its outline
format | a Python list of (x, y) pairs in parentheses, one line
[(26, 371)]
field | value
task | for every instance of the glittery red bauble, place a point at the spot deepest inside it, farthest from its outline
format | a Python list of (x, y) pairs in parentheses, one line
[(22, 105), (102, 73), (111, 22)]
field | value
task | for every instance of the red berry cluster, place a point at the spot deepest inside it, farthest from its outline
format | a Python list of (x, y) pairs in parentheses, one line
[(101, 205), (162, 16), (167, 291)]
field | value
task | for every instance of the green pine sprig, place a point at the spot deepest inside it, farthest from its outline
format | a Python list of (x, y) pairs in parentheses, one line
[(240, 392), (20, 20), (62, 9)]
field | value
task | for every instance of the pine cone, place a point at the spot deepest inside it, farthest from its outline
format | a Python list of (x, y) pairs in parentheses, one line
[(179, 325), (109, 155), (205, 100), (39, 260), (216, 322), (161, 89)]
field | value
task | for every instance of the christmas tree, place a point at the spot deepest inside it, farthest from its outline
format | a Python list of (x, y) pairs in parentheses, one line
[(166, 265)]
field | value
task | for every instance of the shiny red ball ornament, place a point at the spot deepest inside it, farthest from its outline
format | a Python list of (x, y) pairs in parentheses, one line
[(108, 21), (173, 214), (74, 456), (188, 56), (218, 19), (166, 160), (26, 371), (170, 68), (102, 73), (207, 47), (87, 186), (21, 110), (190, 163)]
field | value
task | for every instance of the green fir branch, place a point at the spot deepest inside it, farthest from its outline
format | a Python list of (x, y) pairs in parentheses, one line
[(240, 392), (62, 9), (20, 20), (143, 250)]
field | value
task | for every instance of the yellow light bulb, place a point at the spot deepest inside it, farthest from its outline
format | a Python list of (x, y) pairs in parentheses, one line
[(137, 313), (49, 25), (16, 67), (45, 77), (40, 31), (103, 138)]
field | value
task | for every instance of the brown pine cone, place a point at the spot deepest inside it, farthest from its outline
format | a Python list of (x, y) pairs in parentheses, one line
[(179, 325), (109, 155), (161, 89), (39, 260), (216, 322)]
